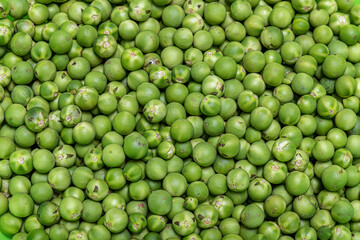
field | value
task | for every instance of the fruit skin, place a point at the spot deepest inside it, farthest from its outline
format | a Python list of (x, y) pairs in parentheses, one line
[(116, 220), (289, 222), (334, 178), (135, 146), (334, 66), (206, 216), (184, 218), (160, 198), (252, 216), (70, 208), (21, 205), (62, 38), (342, 211), (48, 213)]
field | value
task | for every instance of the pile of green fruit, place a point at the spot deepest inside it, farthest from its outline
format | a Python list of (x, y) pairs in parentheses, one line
[(180, 119)]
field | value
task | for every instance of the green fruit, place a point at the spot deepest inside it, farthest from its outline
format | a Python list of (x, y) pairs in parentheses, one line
[(60, 42), (334, 178), (159, 198), (252, 216)]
